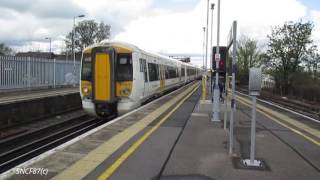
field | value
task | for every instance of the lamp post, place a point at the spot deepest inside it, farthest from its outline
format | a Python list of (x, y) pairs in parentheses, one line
[(207, 35), (204, 37), (216, 92), (48, 38), (73, 49), (211, 50)]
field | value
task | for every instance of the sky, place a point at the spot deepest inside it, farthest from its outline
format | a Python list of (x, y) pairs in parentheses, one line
[(163, 26)]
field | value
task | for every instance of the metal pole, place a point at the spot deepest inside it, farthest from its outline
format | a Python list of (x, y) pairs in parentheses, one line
[(211, 52), (207, 36), (233, 98), (48, 38), (50, 45), (204, 37), (73, 51), (54, 73), (253, 129), (226, 100), (216, 92), (29, 72)]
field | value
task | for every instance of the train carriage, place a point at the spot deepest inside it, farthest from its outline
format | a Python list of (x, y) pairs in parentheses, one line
[(117, 77)]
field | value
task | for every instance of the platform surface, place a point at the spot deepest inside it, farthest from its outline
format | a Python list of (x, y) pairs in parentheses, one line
[(24, 95), (185, 144)]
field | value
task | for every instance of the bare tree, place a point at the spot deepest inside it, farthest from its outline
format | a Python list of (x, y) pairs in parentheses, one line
[(249, 55), (103, 32), (88, 32)]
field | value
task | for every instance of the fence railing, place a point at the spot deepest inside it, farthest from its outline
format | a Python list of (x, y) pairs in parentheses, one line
[(33, 73)]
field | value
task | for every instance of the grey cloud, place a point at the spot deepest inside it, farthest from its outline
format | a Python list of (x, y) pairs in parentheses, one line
[(18, 5), (20, 20), (6, 13), (44, 8), (56, 9), (116, 25)]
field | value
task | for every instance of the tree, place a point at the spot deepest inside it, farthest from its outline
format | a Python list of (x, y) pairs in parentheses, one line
[(312, 60), (103, 32), (5, 50), (287, 45), (249, 56), (87, 32)]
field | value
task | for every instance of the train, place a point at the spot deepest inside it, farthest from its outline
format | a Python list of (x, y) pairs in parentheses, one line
[(117, 77)]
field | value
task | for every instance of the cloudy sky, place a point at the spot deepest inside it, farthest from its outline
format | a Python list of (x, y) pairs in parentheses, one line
[(166, 26)]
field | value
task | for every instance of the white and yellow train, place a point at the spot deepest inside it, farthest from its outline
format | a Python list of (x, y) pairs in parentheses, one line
[(117, 77)]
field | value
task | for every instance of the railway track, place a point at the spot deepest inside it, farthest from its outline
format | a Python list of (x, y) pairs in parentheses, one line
[(27, 146), (21, 147), (294, 106)]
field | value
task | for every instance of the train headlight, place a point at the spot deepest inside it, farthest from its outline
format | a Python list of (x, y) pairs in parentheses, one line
[(123, 89), (125, 92), (85, 90)]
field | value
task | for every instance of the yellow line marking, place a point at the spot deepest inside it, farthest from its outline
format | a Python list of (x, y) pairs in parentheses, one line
[(85, 165), (108, 172), (286, 119)]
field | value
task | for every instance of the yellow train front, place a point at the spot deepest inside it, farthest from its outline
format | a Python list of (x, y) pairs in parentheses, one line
[(117, 77)]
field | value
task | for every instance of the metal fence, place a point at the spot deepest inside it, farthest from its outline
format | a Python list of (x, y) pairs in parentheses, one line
[(33, 73)]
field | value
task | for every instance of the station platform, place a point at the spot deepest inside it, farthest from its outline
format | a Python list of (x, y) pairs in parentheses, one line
[(20, 107), (174, 138), (25, 95)]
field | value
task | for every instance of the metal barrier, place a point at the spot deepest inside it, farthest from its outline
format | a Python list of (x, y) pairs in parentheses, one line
[(33, 73)]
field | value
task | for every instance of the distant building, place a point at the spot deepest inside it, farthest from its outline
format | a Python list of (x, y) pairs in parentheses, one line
[(181, 58), (48, 55), (40, 55), (268, 81)]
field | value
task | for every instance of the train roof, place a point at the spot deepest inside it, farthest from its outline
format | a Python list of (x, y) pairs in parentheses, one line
[(133, 48)]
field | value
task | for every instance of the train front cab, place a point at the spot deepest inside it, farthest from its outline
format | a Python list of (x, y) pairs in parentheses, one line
[(106, 77)]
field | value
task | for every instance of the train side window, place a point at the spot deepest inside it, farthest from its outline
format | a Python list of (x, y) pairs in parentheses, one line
[(153, 72), (172, 72), (166, 72), (182, 72)]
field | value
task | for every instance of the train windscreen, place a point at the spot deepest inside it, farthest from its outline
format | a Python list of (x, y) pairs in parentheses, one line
[(86, 72), (124, 67)]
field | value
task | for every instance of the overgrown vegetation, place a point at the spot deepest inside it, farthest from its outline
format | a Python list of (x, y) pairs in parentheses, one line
[(249, 55), (291, 58), (5, 50)]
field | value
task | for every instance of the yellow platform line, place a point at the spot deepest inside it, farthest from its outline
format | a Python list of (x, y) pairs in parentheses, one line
[(88, 163), (280, 117), (108, 172)]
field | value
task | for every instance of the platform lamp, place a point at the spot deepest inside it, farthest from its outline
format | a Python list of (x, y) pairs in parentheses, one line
[(204, 46), (48, 38), (73, 49), (211, 57)]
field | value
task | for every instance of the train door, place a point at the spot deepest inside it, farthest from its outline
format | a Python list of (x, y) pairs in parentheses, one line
[(144, 71), (103, 84), (180, 69), (103, 78), (162, 77)]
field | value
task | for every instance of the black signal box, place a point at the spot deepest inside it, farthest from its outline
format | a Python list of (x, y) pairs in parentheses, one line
[(223, 59)]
